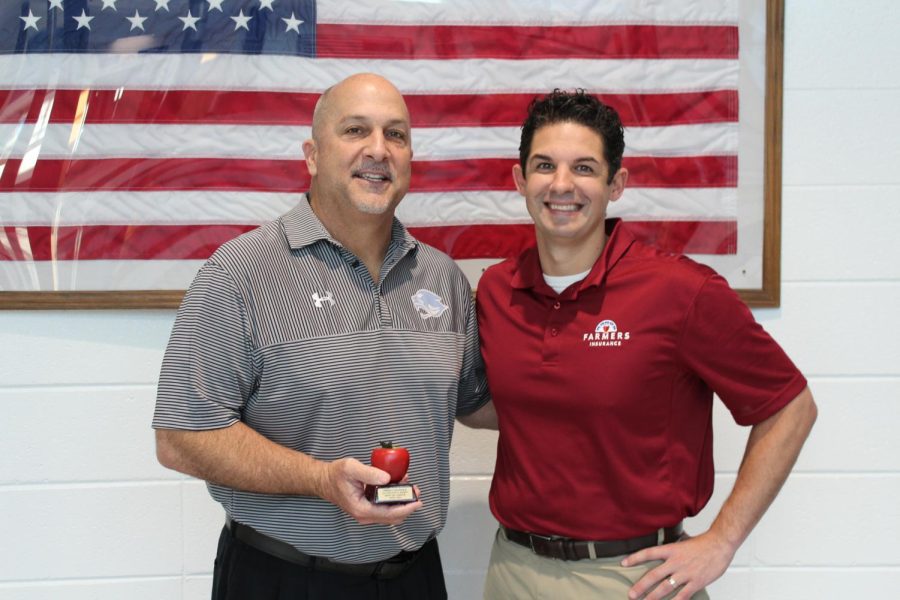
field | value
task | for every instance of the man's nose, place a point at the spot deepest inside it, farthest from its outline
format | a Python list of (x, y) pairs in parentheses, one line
[(562, 181), (377, 146)]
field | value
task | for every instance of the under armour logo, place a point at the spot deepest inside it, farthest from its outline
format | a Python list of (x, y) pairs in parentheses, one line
[(321, 300)]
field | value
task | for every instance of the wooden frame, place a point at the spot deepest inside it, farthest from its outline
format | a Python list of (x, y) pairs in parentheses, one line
[(768, 295), (133, 299)]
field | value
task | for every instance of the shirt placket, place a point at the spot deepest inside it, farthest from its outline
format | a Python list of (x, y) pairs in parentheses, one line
[(378, 303), (394, 254), (553, 330)]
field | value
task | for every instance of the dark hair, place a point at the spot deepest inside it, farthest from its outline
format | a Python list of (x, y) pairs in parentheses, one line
[(583, 109)]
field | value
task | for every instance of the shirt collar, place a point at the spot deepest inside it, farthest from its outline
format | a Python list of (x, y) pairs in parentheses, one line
[(528, 273), (303, 228)]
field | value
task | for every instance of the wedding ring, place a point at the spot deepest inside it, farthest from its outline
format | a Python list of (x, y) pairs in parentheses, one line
[(672, 582)]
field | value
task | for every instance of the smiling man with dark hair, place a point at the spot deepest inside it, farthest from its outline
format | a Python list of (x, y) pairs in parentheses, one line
[(603, 355)]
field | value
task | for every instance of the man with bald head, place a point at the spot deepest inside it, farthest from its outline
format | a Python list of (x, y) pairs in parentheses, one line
[(302, 345)]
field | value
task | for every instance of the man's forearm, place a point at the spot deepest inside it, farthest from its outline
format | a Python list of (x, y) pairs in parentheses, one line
[(241, 458), (694, 563), (772, 450)]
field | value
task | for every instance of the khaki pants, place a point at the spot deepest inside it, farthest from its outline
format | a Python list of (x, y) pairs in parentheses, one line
[(516, 573)]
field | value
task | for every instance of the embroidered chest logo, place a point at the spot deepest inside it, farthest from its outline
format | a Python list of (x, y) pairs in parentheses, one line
[(606, 333), (428, 304), (321, 301)]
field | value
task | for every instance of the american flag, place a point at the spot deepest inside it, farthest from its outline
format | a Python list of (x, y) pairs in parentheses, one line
[(138, 135)]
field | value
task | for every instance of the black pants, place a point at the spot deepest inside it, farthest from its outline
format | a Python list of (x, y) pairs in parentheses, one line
[(244, 573)]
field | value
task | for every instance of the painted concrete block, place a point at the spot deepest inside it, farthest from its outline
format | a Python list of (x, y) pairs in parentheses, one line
[(818, 223), (78, 434), (83, 347), (824, 584), (203, 521), (834, 44), (823, 147), (846, 520), (91, 531), (473, 451), (162, 588)]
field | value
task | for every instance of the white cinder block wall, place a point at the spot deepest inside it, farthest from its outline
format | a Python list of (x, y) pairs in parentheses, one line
[(87, 512)]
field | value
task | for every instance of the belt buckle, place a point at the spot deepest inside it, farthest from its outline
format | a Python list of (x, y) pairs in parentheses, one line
[(546, 545)]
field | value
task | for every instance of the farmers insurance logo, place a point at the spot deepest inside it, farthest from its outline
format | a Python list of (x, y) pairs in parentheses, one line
[(606, 334)]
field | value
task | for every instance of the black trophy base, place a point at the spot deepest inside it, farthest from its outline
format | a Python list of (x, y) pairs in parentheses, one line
[(395, 493)]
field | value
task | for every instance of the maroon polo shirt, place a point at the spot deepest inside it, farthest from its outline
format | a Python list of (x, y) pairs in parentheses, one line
[(604, 392)]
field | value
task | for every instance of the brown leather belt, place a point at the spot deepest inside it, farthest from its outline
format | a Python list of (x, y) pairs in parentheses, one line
[(562, 548), (383, 569)]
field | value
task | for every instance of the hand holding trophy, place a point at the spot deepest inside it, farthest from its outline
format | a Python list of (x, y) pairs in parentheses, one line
[(395, 461)]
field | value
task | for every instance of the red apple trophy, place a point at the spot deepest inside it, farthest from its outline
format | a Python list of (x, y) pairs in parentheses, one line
[(395, 461)]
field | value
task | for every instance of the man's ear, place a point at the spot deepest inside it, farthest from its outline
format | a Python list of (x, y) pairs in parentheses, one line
[(519, 178), (618, 184), (309, 154)]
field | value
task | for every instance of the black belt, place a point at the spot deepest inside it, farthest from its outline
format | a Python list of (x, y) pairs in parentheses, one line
[(568, 549), (383, 569)]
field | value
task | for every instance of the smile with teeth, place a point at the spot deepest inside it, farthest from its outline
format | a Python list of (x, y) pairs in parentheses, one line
[(373, 177), (563, 207)]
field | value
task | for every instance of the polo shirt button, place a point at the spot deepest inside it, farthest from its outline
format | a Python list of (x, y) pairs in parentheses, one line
[(556, 305), (554, 332)]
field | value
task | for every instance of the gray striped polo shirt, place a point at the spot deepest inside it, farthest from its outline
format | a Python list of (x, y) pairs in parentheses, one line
[(285, 330)]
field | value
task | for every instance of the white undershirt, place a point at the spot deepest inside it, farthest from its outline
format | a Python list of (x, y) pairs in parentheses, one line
[(561, 282)]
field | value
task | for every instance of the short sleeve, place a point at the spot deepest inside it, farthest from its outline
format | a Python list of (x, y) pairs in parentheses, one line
[(723, 344), (473, 388), (207, 372)]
